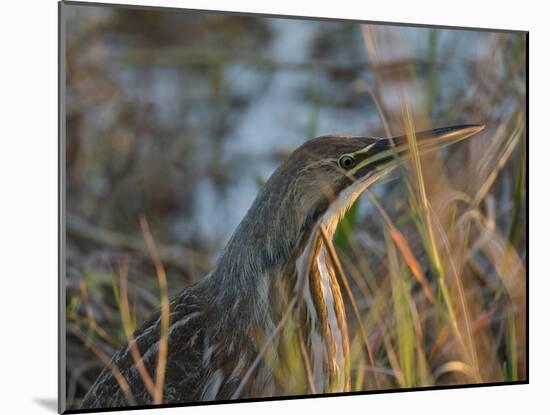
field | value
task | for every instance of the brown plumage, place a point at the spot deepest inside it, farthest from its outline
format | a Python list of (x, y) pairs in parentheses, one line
[(228, 330)]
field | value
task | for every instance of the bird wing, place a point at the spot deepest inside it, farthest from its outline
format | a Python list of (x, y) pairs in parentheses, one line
[(185, 352)]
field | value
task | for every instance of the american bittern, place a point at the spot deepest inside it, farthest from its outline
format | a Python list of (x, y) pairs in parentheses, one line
[(225, 337)]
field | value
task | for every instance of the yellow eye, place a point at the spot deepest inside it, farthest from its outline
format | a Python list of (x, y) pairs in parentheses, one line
[(346, 161)]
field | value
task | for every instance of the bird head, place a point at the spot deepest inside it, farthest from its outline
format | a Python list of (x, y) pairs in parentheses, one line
[(331, 171)]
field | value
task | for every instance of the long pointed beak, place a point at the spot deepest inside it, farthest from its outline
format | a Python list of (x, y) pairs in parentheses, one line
[(436, 138), (387, 151)]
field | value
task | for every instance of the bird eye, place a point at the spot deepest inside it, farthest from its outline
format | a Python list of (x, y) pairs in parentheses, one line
[(346, 161)]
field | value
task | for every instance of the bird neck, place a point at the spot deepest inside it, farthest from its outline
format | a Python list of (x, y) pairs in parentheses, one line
[(264, 248), (272, 255), (264, 241)]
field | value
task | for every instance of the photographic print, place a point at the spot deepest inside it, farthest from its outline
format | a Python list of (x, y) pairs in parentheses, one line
[(258, 207)]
